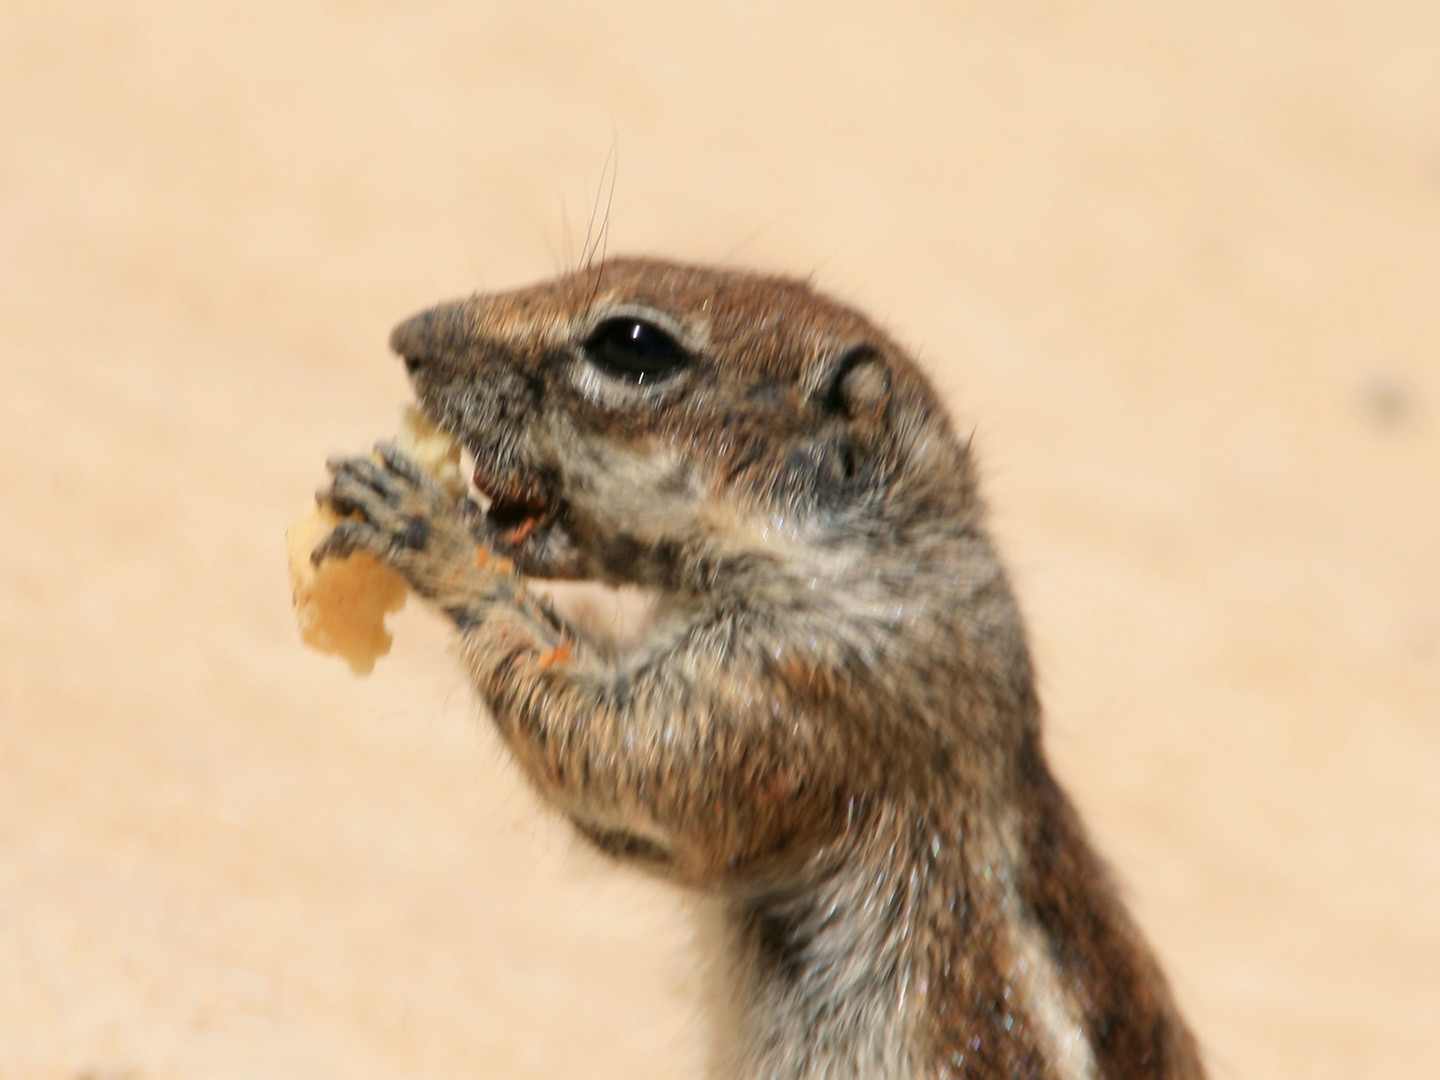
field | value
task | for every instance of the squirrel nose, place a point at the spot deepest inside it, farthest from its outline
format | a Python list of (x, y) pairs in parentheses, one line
[(430, 335)]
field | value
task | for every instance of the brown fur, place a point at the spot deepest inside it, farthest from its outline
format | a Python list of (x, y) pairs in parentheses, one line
[(831, 725)]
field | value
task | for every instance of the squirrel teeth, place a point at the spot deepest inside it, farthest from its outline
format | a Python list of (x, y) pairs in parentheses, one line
[(516, 508)]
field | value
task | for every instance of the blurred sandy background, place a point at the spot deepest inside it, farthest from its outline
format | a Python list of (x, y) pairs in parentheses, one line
[(1180, 263)]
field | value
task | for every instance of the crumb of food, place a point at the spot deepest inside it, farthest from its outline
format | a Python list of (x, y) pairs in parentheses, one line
[(560, 654), (486, 559), (341, 604)]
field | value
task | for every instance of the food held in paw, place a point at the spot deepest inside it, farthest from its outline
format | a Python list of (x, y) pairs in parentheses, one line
[(434, 450), (341, 604)]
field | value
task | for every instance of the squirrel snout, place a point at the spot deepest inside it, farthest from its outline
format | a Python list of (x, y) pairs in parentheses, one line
[(430, 335)]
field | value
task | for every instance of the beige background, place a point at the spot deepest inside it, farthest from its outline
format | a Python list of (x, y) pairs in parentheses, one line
[(1180, 263)]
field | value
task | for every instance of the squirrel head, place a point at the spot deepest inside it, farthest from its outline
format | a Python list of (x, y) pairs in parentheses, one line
[(647, 422)]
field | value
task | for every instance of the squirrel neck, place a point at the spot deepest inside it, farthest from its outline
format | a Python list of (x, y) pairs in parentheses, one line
[(1001, 918)]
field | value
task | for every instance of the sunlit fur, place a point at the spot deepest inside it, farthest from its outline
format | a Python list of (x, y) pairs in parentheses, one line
[(830, 726)]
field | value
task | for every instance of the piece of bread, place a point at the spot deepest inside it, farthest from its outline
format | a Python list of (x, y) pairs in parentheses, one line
[(341, 604)]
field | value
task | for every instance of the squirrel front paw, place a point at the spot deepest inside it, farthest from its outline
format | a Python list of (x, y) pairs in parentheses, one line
[(391, 508)]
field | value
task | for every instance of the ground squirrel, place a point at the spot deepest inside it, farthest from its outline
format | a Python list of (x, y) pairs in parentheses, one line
[(830, 725)]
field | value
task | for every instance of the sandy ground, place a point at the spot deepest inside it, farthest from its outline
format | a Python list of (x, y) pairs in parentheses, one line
[(1179, 263)]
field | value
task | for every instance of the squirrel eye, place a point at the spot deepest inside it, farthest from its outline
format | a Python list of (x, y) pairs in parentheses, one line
[(634, 349)]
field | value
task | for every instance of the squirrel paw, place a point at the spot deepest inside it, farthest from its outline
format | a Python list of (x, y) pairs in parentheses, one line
[(392, 509)]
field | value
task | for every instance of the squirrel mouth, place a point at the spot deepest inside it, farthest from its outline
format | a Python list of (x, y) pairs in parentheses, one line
[(518, 505)]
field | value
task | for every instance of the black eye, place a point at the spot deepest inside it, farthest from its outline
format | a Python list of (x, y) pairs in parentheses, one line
[(635, 350)]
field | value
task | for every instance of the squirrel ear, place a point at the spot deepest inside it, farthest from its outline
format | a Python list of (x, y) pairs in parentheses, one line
[(859, 386)]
